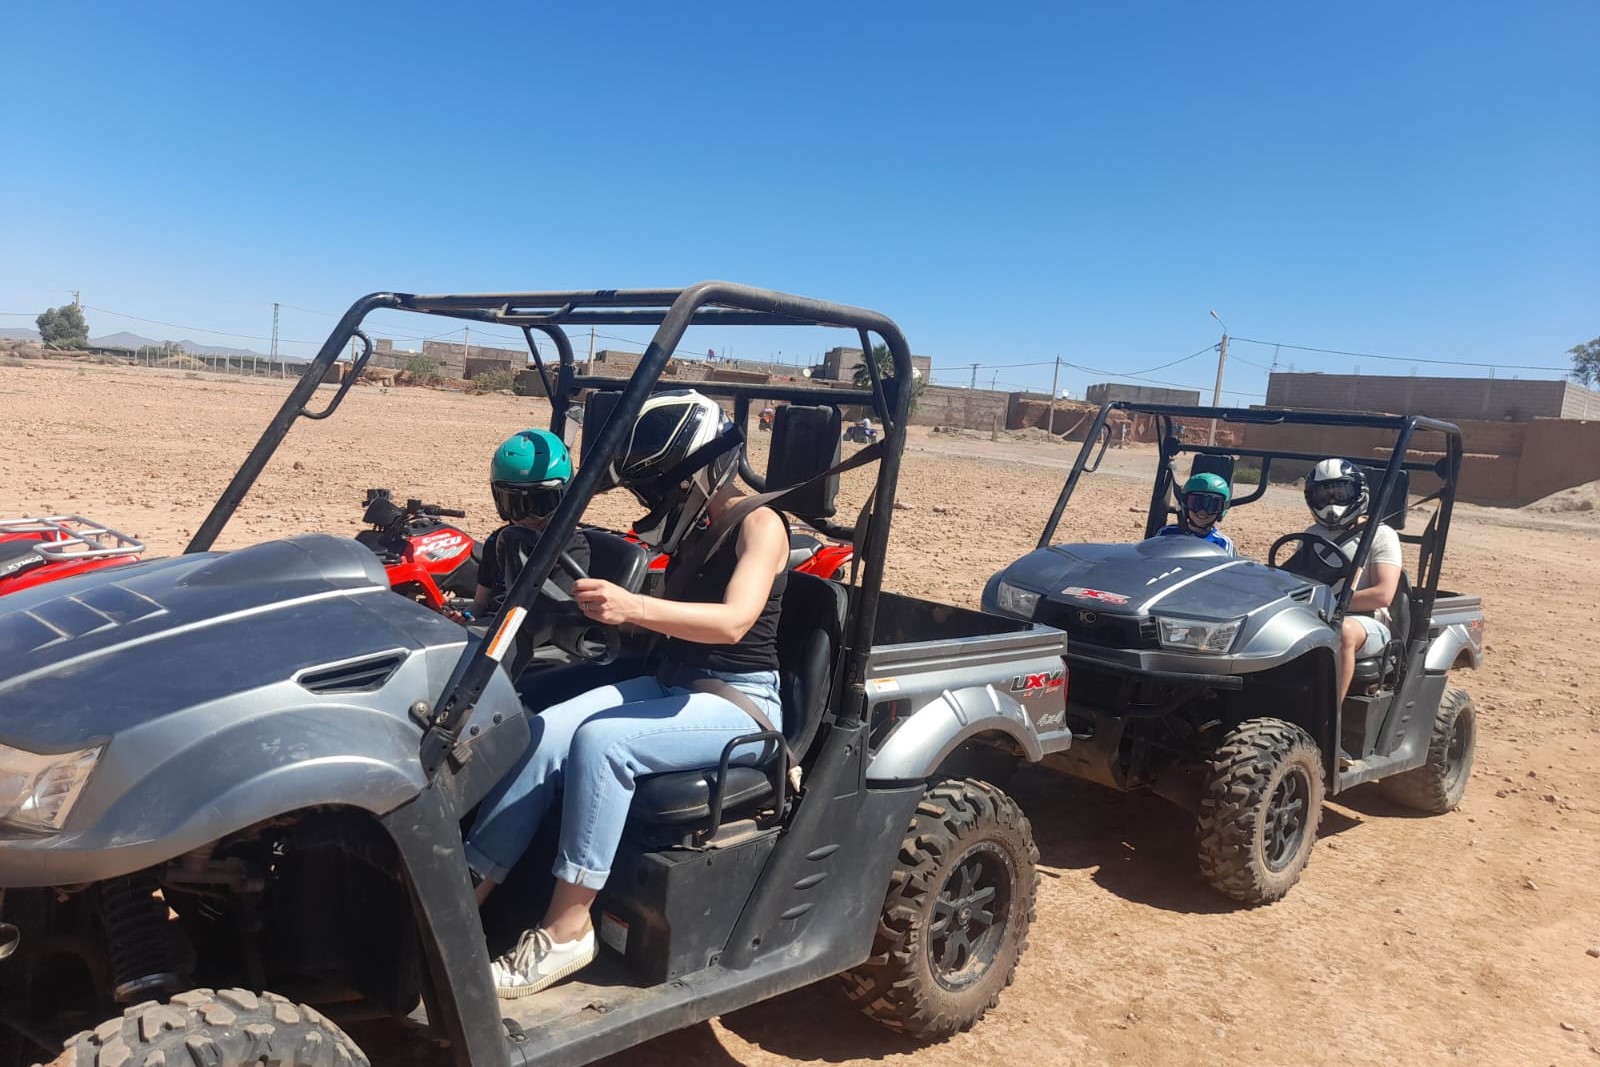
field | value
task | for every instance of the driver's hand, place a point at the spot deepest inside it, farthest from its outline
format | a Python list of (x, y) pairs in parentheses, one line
[(606, 602)]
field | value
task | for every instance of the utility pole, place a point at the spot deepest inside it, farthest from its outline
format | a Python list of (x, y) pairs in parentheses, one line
[(1055, 377), (590, 368), (1216, 394), (974, 383), (275, 339), (77, 300), (466, 346)]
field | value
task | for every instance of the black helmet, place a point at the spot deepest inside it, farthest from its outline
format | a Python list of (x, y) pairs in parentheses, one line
[(1336, 492), (681, 450)]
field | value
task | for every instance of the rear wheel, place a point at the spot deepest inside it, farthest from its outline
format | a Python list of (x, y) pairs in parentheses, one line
[(1438, 785), (1259, 810), (222, 1028), (956, 919)]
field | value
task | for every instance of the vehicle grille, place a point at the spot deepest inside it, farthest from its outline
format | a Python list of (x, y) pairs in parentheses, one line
[(1100, 628)]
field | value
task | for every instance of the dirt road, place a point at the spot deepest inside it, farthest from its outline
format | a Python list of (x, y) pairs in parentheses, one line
[(1459, 939)]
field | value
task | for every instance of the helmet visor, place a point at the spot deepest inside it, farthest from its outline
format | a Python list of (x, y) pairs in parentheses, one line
[(1332, 494), (1205, 503), (520, 501)]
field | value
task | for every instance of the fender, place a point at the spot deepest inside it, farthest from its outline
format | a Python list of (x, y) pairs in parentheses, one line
[(167, 787), (925, 738), (1446, 650)]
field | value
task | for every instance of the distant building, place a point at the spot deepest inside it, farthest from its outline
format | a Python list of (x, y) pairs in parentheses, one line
[(1139, 394), (1510, 399), (840, 364)]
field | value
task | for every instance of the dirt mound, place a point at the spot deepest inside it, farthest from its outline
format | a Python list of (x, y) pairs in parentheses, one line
[(1578, 498)]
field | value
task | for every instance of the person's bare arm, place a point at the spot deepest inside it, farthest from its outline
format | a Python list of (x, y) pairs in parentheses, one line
[(1380, 594), (763, 553)]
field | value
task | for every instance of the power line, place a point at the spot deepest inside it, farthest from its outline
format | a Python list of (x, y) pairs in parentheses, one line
[(1397, 359)]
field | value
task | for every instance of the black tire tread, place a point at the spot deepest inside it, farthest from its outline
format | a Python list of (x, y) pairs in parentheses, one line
[(1424, 788), (890, 986), (214, 1028), (1234, 796)]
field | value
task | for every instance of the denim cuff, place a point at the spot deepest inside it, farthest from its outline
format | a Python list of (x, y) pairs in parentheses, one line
[(484, 867), (573, 874)]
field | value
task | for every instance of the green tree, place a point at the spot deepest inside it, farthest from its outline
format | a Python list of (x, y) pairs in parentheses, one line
[(1586, 362), (862, 376), (63, 327)]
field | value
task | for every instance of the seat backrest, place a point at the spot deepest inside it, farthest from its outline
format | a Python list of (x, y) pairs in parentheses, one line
[(616, 559), (1205, 463), (1393, 510), (1400, 611), (810, 631)]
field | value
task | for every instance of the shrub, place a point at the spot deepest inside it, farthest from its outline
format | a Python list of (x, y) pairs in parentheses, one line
[(494, 381)]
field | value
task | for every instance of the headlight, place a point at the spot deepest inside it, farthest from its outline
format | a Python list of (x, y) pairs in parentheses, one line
[(1198, 635), (1016, 601), (36, 791)]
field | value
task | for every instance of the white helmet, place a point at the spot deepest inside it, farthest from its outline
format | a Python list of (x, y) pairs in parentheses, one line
[(1336, 492), (681, 450)]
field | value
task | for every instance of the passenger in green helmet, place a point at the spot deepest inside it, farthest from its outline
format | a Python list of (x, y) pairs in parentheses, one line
[(528, 476), (1202, 504)]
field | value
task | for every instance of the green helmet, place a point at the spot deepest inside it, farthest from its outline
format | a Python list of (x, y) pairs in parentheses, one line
[(528, 474), (1210, 495)]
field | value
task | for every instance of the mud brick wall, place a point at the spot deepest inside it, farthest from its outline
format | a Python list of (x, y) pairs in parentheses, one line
[(972, 409), (1507, 464), (1443, 398)]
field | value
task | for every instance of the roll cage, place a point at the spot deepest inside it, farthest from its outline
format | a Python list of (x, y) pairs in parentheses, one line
[(671, 312), (1395, 474)]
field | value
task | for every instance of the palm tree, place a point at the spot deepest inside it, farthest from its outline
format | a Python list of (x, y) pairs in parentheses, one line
[(862, 376)]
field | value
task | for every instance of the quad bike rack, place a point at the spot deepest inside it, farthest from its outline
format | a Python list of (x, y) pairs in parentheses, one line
[(73, 537)]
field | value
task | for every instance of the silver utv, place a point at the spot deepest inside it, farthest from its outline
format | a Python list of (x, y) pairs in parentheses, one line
[(233, 784)]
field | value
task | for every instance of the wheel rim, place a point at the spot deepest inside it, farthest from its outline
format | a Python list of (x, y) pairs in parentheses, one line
[(1455, 753), (971, 915), (1287, 814)]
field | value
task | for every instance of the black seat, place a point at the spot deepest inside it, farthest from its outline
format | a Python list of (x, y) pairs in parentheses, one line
[(1384, 667), (810, 631), (1206, 463), (17, 556), (616, 559), (801, 548)]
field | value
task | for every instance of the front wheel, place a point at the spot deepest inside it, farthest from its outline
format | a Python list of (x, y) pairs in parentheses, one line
[(222, 1028), (1259, 810), (956, 919), (1438, 785)]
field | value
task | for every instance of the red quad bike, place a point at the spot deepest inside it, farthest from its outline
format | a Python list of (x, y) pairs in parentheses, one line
[(426, 559), (808, 554), (36, 551)]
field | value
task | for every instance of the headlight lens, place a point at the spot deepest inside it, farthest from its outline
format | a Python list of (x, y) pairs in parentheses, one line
[(1198, 635), (1016, 601), (37, 791)]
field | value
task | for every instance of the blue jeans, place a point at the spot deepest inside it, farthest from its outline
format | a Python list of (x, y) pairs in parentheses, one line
[(590, 749)]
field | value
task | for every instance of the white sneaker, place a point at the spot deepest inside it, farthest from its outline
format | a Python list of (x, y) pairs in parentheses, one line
[(538, 963)]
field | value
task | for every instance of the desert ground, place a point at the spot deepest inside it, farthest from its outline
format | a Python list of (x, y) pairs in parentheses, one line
[(1459, 939)]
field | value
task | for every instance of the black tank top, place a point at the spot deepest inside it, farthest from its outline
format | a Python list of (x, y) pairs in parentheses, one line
[(757, 650)]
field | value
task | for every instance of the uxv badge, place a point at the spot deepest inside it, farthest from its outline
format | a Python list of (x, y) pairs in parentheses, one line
[(1043, 682)]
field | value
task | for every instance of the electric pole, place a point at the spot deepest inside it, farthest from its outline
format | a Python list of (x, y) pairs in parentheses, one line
[(589, 369), (974, 383), (1055, 377), (1216, 393), (466, 346), (77, 301), (275, 339)]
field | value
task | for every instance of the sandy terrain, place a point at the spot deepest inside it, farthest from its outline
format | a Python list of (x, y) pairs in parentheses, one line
[(1458, 939)]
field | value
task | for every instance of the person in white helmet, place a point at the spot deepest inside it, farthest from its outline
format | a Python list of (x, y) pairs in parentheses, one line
[(1337, 494), (718, 680)]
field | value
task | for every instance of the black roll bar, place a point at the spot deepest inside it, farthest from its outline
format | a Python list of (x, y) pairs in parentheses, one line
[(1403, 426)]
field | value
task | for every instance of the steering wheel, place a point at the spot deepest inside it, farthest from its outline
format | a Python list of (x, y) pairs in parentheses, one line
[(1308, 540), (557, 618)]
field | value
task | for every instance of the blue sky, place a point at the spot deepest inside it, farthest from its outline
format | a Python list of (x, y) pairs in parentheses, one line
[(1009, 182)]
